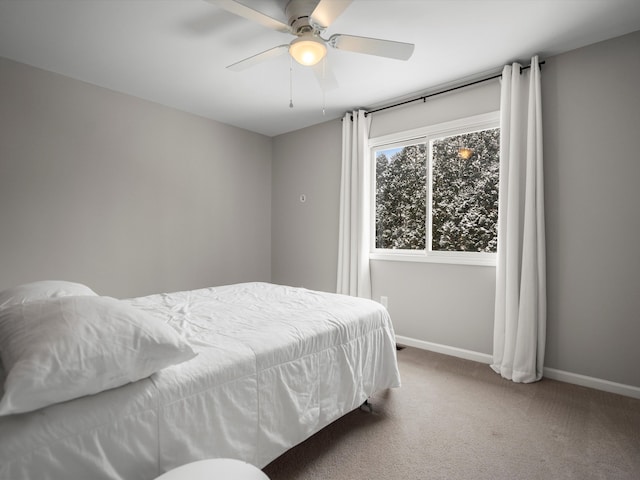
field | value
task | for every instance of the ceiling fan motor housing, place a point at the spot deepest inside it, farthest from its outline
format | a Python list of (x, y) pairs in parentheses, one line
[(299, 14)]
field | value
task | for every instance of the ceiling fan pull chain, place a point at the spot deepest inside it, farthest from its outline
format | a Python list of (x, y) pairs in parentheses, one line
[(291, 82), (323, 86)]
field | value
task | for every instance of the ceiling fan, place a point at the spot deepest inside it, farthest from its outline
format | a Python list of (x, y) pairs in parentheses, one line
[(307, 20)]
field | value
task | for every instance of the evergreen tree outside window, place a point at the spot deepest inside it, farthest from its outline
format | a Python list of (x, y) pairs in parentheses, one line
[(401, 198), (436, 194)]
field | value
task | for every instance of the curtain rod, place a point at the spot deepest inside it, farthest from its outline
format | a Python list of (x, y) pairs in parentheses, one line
[(424, 97)]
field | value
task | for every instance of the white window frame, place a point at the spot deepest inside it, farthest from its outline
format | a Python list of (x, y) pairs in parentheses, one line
[(426, 135)]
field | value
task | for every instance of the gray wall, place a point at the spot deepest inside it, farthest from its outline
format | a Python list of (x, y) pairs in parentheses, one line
[(125, 195), (304, 236), (591, 112), (591, 109)]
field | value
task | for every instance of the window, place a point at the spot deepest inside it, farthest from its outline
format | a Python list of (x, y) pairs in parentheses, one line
[(435, 192)]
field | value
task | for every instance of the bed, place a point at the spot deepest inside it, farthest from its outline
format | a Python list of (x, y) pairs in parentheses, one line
[(269, 366)]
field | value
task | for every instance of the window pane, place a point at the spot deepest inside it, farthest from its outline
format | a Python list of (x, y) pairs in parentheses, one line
[(465, 192), (401, 200)]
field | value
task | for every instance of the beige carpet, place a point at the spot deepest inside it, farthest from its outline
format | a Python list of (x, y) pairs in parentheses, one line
[(456, 419)]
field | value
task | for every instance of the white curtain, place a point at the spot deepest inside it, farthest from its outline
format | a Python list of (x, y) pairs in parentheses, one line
[(353, 247), (520, 306)]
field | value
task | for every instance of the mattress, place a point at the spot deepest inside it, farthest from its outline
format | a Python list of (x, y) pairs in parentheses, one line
[(274, 365)]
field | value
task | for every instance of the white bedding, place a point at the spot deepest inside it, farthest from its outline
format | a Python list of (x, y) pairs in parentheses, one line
[(275, 364)]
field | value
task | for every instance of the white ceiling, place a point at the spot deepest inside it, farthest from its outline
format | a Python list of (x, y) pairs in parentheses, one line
[(174, 52)]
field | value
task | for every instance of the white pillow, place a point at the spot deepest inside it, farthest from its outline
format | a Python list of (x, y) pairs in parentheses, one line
[(40, 290), (63, 348)]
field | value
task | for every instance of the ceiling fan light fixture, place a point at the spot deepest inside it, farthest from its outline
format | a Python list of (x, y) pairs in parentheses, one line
[(307, 50)]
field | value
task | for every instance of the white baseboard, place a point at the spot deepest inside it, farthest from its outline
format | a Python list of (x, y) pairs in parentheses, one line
[(438, 348), (591, 382), (552, 373)]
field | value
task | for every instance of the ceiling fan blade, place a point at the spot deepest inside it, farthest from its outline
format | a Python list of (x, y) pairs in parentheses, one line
[(327, 11), (325, 76), (249, 13), (372, 46), (260, 57)]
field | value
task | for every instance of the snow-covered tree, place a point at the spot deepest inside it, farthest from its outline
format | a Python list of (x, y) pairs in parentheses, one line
[(401, 199), (465, 192)]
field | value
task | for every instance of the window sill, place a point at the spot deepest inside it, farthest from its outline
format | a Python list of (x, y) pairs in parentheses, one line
[(480, 259)]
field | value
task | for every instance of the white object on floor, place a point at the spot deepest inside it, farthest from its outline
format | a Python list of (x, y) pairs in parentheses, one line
[(215, 469)]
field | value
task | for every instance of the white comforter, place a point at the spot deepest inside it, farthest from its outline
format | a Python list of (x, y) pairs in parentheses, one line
[(275, 364)]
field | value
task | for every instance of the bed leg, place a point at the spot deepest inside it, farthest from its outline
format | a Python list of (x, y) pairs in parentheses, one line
[(366, 406)]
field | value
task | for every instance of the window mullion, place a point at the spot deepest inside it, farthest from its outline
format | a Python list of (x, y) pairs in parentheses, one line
[(429, 187)]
